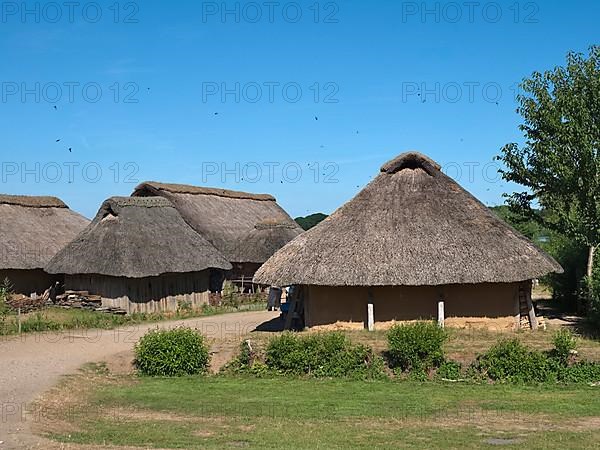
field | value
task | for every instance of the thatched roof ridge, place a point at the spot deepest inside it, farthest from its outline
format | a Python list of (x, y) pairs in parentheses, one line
[(411, 160), (31, 201), (141, 202), (225, 217), (271, 224), (412, 225), (137, 238), (198, 190), (33, 229)]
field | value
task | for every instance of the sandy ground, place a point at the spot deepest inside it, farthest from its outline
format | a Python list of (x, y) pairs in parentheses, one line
[(33, 363)]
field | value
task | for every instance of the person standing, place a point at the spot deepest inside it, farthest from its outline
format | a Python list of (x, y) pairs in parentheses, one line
[(274, 299)]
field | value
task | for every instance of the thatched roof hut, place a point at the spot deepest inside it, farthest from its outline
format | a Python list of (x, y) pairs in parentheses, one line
[(33, 230), (411, 226), (228, 219), (139, 251), (267, 236)]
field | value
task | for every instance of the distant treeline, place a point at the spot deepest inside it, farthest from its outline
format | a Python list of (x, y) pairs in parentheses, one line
[(310, 221)]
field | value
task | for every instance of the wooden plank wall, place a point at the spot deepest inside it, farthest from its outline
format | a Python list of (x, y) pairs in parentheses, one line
[(145, 295)]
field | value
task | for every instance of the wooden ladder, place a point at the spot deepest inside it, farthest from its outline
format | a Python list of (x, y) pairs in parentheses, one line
[(527, 313)]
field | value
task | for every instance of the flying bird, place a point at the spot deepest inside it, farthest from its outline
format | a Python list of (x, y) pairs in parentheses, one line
[(216, 114), (55, 107), (70, 150), (58, 140), (316, 118)]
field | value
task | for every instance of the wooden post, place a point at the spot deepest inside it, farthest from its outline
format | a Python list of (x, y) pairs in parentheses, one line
[(532, 318), (370, 313), (371, 317), (19, 319), (441, 313)]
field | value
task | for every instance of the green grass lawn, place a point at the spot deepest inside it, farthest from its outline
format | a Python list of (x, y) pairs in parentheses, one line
[(231, 412)]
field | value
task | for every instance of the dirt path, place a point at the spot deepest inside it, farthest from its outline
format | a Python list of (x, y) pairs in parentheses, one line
[(33, 363)]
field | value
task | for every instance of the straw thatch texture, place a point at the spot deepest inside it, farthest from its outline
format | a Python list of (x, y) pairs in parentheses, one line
[(136, 238), (264, 240), (411, 226), (225, 217), (33, 229)]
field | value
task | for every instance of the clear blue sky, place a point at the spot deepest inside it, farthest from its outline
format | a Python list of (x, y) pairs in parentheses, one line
[(372, 57)]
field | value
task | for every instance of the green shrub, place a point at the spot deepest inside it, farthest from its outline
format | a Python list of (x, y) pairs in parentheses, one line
[(450, 370), (247, 362), (176, 352), (590, 294), (511, 361), (564, 344), (581, 372), (6, 289), (322, 355), (416, 346)]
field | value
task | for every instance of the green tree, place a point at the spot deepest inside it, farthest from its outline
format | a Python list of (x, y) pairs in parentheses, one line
[(310, 221), (560, 160)]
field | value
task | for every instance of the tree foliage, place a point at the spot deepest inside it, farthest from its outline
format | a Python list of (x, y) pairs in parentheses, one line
[(560, 161), (310, 221)]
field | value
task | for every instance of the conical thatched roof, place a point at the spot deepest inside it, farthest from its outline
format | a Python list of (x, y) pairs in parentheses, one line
[(224, 217), (413, 226), (264, 240), (33, 229), (136, 238)]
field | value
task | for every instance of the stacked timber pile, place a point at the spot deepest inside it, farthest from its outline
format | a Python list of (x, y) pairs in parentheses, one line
[(68, 300), (25, 304), (85, 300)]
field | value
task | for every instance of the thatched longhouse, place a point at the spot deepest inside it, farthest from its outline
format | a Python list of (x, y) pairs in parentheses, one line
[(138, 254), (32, 230), (411, 239), (236, 223)]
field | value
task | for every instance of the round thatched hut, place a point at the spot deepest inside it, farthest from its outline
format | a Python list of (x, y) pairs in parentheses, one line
[(32, 230), (229, 220), (140, 255), (414, 245)]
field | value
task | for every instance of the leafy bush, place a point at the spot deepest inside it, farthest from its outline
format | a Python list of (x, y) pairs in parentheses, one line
[(177, 352), (6, 289), (322, 355), (450, 370), (581, 372), (247, 362), (590, 295), (564, 344), (416, 346), (511, 361)]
